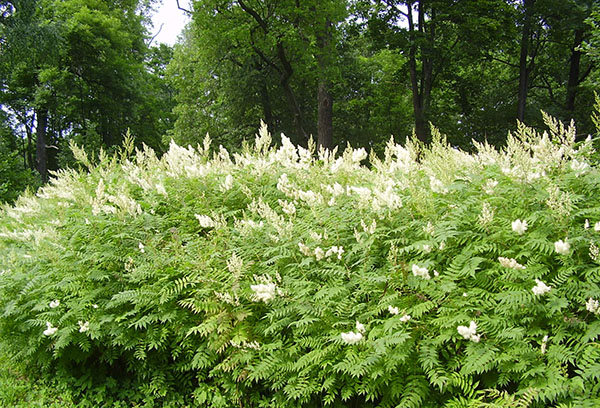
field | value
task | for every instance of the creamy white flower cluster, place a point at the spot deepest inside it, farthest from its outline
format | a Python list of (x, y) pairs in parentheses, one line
[(540, 288), (469, 333), (394, 311), (562, 247), (83, 326), (510, 263), (205, 221), (437, 186), (265, 289), (419, 271), (352, 337), (49, 329), (544, 344), (592, 306), (319, 253), (519, 226)]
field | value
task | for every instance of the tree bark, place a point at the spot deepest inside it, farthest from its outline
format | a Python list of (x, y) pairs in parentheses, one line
[(324, 98), (524, 60), (41, 156), (289, 93), (286, 72), (421, 87), (574, 71), (325, 116), (266, 105)]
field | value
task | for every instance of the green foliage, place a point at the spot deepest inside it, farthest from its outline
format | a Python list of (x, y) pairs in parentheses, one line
[(285, 277)]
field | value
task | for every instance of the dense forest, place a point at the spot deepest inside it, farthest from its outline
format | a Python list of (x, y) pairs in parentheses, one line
[(355, 71)]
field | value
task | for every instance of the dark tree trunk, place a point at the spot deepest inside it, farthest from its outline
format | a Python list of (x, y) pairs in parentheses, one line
[(324, 98), (41, 156), (286, 71), (266, 105), (28, 150), (421, 87), (524, 60), (325, 116), (574, 70), (289, 93)]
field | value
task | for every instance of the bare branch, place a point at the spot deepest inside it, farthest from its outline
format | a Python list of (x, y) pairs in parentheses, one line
[(157, 33), (183, 9)]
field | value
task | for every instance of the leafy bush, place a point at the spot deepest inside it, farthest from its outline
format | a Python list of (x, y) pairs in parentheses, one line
[(281, 277)]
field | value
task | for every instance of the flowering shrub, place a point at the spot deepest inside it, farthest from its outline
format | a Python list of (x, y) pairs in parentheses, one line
[(285, 277)]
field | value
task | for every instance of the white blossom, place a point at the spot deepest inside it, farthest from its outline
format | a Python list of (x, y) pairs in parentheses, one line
[(335, 190), (360, 327), (141, 247), (429, 229), (579, 167), (335, 250), (49, 329), (420, 271), (351, 337), (469, 333), (359, 155), (510, 263), (405, 318), (437, 186), (487, 214), (562, 247), (369, 229), (597, 226), (519, 226), (287, 207), (227, 183), (544, 344), (54, 303), (160, 189), (393, 310), (586, 224), (315, 236), (83, 327), (540, 288), (235, 264), (205, 221), (592, 306), (319, 253), (305, 250), (264, 291), (95, 306), (427, 248), (489, 186)]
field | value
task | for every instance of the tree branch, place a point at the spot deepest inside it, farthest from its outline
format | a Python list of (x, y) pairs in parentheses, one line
[(183, 9)]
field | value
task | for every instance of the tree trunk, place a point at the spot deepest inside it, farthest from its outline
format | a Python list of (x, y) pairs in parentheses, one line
[(324, 98), (420, 89), (41, 156), (325, 116), (266, 105), (523, 61), (574, 70), (289, 93), (28, 150)]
